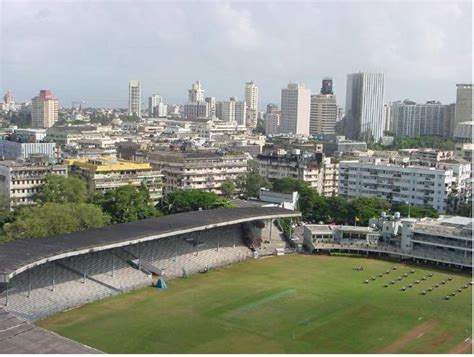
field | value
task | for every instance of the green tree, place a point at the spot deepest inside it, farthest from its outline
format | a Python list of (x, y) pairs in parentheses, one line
[(402, 142), (6, 214), (228, 188), (464, 209), (260, 127), (307, 196), (340, 210), (250, 184), (192, 200), (127, 204), (415, 212), (60, 189), (55, 218), (365, 208)]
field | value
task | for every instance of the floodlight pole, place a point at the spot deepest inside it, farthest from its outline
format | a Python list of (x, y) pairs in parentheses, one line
[(233, 237), (84, 269), (271, 224), (6, 296), (197, 245), (291, 221), (29, 284), (175, 248), (113, 265), (53, 278), (139, 257)]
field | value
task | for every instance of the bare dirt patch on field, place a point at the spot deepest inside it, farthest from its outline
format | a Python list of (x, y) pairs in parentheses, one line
[(462, 347), (411, 335)]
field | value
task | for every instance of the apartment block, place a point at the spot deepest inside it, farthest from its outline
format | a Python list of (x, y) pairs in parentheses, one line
[(44, 110), (21, 181), (402, 183), (197, 170), (319, 172), (106, 173)]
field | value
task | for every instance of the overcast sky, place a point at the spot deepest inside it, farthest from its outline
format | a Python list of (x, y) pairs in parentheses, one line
[(88, 50)]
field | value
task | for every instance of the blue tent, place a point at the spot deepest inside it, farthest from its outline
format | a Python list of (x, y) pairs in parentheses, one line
[(161, 284)]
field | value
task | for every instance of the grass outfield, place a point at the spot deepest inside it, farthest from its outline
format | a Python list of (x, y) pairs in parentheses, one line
[(289, 304)]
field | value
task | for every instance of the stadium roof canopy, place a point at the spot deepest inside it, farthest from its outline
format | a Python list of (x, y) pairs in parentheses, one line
[(18, 256)]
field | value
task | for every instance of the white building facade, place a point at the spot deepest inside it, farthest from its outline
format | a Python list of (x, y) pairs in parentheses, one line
[(413, 185), (20, 182), (134, 98), (251, 101), (196, 93), (295, 109), (413, 120)]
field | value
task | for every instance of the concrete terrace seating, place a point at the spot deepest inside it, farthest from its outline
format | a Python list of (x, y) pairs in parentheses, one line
[(32, 296)]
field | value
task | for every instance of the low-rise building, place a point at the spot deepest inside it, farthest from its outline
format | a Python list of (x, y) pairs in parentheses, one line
[(15, 150), (200, 170), (213, 129), (449, 238), (283, 200), (464, 151), (21, 181), (446, 240), (106, 173)]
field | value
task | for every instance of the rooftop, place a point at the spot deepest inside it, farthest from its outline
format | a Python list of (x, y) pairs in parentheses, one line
[(18, 256), (107, 164)]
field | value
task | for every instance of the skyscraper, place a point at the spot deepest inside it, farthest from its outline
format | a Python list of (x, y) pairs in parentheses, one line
[(463, 103), (44, 110), (272, 108), (134, 98), (196, 110), (211, 102), (153, 105), (323, 115), (251, 100), (272, 123), (196, 93), (295, 109), (231, 110), (411, 119), (364, 118), (387, 117)]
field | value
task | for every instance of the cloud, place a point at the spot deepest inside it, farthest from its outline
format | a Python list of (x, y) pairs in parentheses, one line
[(236, 24), (90, 49)]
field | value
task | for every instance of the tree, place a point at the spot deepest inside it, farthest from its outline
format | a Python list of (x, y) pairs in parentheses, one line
[(5, 214), (127, 204), (365, 208), (55, 218), (464, 209), (402, 142), (60, 189), (228, 188), (260, 128), (307, 195), (415, 212), (192, 200)]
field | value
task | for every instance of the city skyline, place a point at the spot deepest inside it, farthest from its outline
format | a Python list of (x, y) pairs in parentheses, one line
[(94, 59)]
